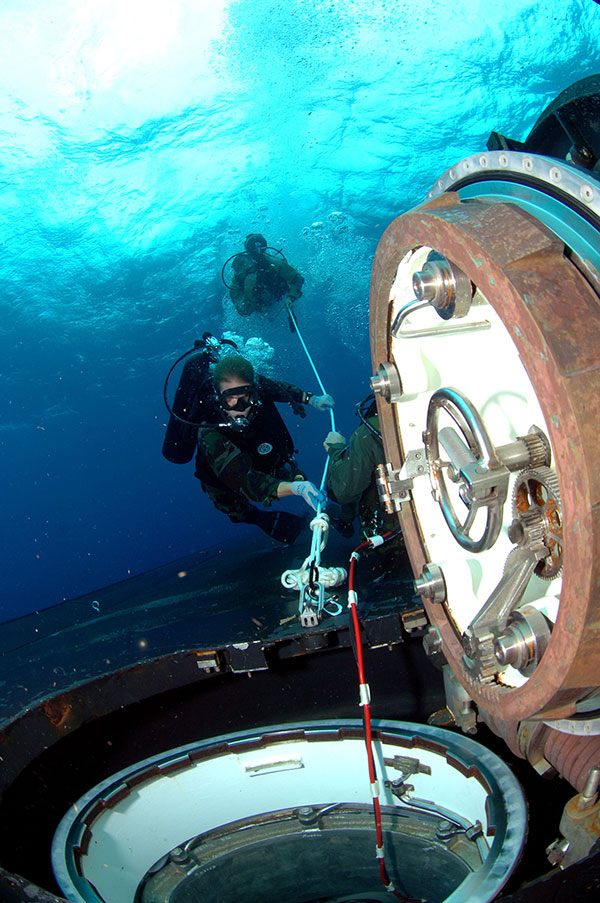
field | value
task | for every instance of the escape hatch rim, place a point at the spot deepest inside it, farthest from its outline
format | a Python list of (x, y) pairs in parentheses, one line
[(493, 791)]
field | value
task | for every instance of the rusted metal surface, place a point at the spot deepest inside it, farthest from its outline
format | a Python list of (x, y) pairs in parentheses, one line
[(572, 756), (553, 317), (508, 730)]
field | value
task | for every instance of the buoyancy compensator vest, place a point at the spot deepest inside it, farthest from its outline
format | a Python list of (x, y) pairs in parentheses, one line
[(266, 440), (270, 284)]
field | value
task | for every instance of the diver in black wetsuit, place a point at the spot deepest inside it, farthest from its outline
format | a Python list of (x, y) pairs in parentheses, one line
[(250, 456), (245, 452)]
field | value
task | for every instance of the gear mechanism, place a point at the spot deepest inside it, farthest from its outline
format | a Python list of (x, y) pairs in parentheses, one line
[(536, 494)]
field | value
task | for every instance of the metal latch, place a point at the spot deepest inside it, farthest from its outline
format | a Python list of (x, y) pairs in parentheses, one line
[(407, 765), (394, 486)]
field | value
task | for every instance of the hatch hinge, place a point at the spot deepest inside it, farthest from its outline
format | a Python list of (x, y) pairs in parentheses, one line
[(395, 486)]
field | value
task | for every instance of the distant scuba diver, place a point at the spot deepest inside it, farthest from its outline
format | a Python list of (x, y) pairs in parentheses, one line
[(244, 450), (261, 277)]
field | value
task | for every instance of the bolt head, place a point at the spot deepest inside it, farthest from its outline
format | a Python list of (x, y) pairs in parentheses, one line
[(469, 644)]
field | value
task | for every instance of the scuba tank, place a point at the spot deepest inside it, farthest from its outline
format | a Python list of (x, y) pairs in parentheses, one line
[(193, 398)]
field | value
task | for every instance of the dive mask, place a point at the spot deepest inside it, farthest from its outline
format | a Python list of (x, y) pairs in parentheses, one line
[(242, 399)]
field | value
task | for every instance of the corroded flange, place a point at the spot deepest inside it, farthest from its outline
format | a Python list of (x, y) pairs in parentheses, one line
[(553, 317)]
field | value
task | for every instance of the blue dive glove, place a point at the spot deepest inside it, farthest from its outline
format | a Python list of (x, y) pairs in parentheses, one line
[(333, 439), (321, 402), (309, 492)]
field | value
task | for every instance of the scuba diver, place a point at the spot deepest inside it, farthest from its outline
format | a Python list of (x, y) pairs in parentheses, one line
[(351, 477), (249, 455), (261, 279)]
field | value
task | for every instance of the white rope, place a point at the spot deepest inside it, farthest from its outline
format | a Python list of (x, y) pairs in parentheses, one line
[(306, 351), (323, 390), (299, 577), (327, 577)]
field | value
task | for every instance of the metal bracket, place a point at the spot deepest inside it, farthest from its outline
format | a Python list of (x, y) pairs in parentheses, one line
[(246, 657), (311, 604), (409, 765), (309, 617), (395, 486), (414, 622), (392, 490), (415, 463), (208, 661), (447, 830)]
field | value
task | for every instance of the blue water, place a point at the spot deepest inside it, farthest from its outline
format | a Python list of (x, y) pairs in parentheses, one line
[(140, 142)]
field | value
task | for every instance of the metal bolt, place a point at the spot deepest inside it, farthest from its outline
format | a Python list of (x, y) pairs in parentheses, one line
[(587, 799), (556, 851), (432, 642), (426, 285), (305, 815), (469, 644), (465, 495), (431, 584), (445, 829), (587, 193), (387, 383)]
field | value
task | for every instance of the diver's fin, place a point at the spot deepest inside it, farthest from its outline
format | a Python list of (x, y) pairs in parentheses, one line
[(279, 525)]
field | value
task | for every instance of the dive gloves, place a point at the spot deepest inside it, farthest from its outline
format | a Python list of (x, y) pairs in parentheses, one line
[(306, 490), (321, 402), (333, 438)]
